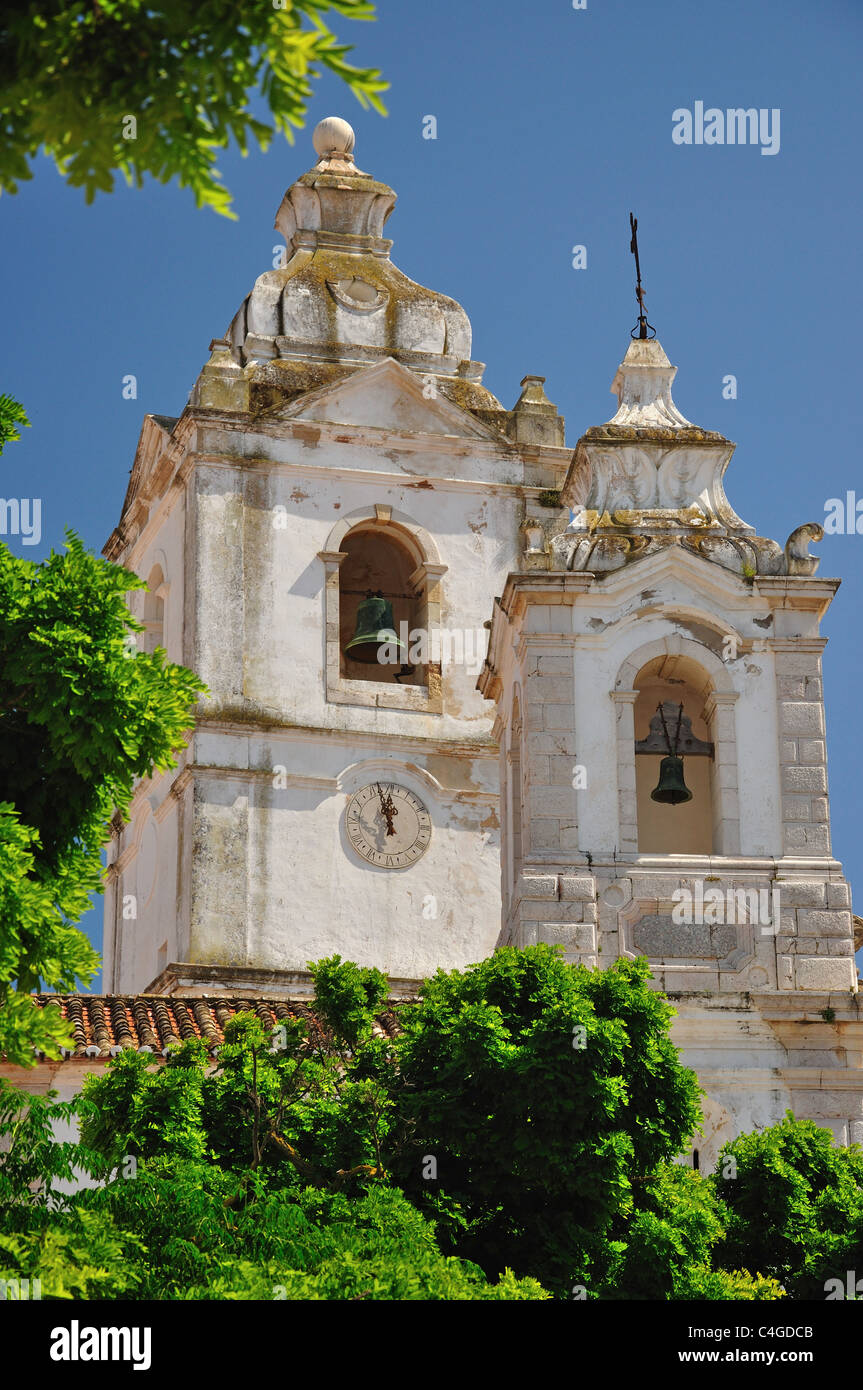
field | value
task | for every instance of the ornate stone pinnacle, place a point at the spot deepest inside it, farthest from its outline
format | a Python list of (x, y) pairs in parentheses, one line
[(643, 389)]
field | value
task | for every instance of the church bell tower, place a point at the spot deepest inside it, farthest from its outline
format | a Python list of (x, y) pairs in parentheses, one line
[(656, 668), (323, 531)]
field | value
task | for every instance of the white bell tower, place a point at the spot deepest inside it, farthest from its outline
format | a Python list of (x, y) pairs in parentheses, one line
[(657, 622), (339, 445)]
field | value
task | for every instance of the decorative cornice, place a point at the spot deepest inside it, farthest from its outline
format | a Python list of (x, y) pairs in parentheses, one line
[(260, 982)]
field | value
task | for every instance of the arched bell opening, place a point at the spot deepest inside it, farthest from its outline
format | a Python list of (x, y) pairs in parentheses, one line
[(378, 594), (674, 758)]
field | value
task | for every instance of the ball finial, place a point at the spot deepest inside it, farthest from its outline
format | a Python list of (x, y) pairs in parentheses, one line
[(333, 136)]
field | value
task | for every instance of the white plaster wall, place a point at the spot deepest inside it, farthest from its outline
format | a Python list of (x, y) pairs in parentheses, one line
[(149, 849), (148, 846), (260, 605), (274, 881), (277, 883), (758, 778), (248, 874)]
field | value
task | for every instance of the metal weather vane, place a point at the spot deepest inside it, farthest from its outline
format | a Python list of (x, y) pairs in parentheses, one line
[(642, 325)]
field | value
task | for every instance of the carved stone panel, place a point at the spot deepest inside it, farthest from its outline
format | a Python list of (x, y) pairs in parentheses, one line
[(658, 937), (647, 928)]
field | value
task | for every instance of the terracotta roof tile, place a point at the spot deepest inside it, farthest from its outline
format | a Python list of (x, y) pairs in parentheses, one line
[(105, 1024)]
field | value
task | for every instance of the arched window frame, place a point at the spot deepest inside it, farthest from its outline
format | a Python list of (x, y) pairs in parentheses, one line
[(426, 580)]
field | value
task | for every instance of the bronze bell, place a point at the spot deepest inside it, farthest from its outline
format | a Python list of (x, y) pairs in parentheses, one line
[(671, 788), (375, 628)]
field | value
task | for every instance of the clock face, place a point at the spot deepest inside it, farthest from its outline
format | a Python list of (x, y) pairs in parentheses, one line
[(388, 825)]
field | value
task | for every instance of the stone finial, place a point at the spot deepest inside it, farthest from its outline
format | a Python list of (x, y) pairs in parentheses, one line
[(648, 478), (334, 142), (333, 136), (647, 470), (642, 385), (335, 197), (533, 393), (534, 418)]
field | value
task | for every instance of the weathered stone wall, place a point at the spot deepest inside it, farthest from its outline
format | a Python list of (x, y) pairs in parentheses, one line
[(768, 1009), (254, 866), (145, 893), (803, 750)]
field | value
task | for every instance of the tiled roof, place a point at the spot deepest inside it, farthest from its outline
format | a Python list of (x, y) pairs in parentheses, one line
[(105, 1024)]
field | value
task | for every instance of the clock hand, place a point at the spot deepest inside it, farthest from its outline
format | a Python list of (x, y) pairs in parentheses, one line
[(388, 810)]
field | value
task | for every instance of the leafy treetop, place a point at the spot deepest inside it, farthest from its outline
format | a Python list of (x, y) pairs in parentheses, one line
[(157, 89), (83, 716)]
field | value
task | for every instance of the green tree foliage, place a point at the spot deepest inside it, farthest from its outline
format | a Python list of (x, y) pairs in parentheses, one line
[(297, 1163), (73, 1252), (12, 414), (299, 1105), (34, 1157), (666, 1246), (794, 1203), (82, 716), (204, 1193), (120, 85), (546, 1093), (285, 1242), (551, 1159)]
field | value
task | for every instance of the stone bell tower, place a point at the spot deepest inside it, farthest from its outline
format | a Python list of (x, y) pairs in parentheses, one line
[(648, 619), (339, 444)]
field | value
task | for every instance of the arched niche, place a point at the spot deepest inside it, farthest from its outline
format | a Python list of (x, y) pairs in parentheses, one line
[(677, 671), (156, 592), (672, 682)]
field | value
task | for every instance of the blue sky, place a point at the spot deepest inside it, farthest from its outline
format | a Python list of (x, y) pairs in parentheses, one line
[(552, 123)]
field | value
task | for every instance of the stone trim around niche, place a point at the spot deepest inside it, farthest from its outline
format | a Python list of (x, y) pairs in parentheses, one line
[(425, 699)]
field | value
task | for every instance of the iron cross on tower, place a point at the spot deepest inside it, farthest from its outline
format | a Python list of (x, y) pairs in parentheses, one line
[(643, 325)]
